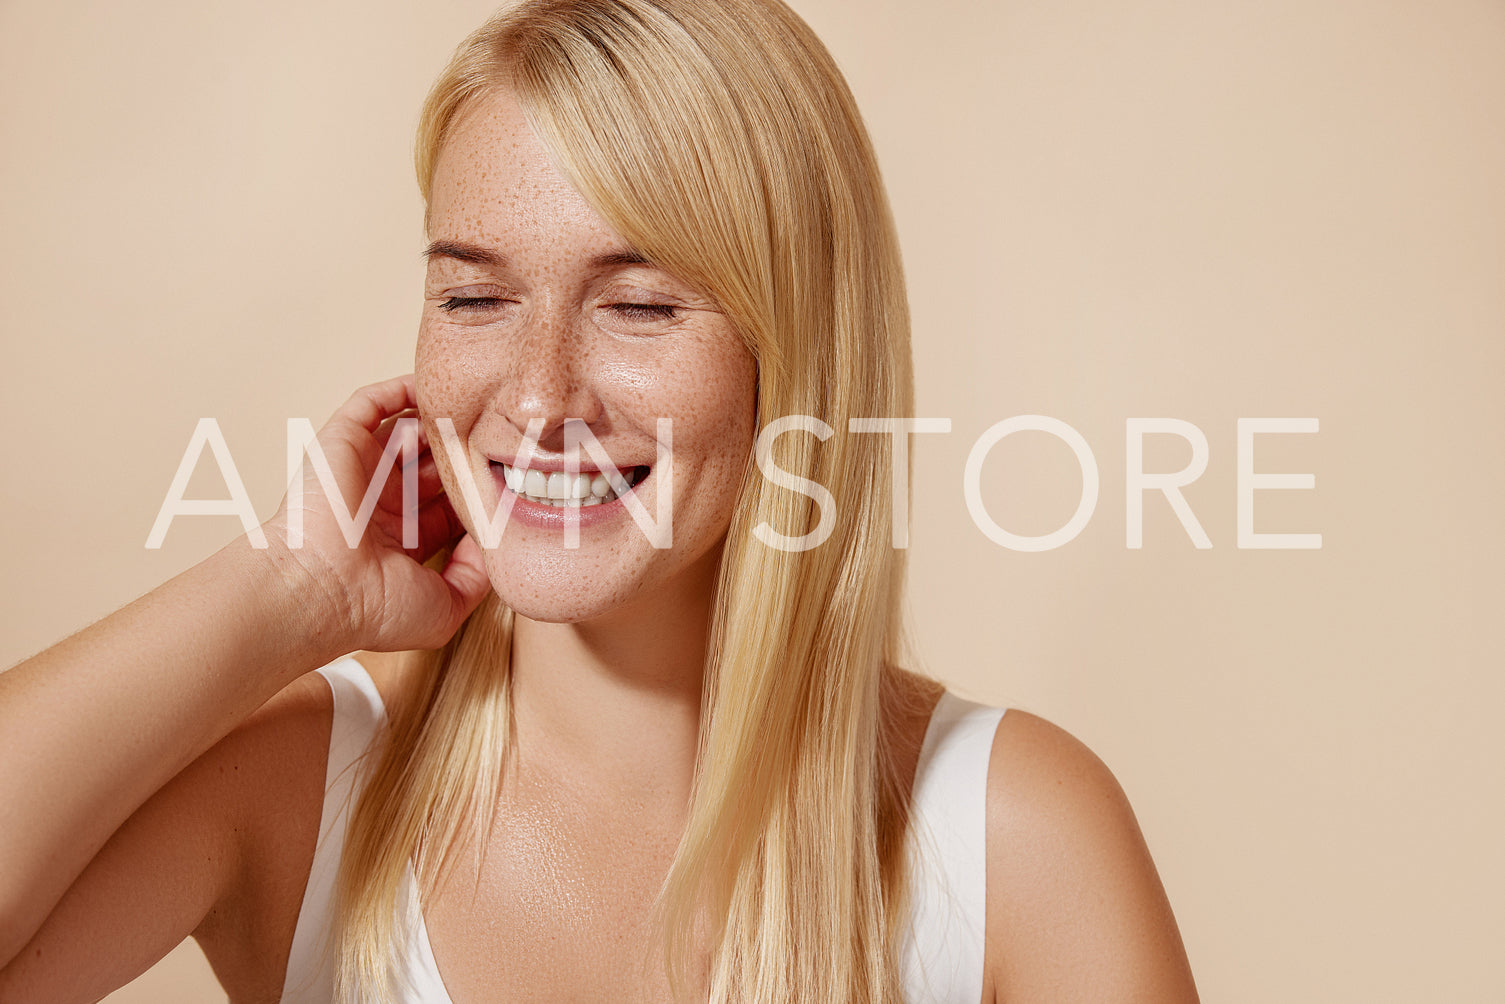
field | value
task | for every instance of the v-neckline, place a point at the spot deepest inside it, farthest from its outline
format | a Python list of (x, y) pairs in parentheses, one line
[(421, 949)]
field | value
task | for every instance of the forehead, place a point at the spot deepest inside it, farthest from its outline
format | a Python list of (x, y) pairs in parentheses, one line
[(495, 183)]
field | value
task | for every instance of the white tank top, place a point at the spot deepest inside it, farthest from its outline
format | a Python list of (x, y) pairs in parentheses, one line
[(941, 959)]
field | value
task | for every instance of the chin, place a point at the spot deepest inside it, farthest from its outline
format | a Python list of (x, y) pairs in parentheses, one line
[(545, 582), (545, 611), (557, 599)]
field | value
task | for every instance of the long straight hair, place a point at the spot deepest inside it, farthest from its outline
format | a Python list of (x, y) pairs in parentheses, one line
[(721, 142)]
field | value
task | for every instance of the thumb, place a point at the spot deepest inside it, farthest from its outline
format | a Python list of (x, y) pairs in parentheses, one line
[(465, 573)]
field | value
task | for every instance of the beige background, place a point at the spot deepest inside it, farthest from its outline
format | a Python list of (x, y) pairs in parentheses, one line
[(1203, 211)]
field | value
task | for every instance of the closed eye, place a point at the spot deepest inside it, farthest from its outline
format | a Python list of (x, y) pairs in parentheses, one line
[(645, 311), (455, 303)]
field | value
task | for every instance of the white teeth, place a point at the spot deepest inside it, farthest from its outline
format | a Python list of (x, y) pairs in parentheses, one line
[(562, 490)]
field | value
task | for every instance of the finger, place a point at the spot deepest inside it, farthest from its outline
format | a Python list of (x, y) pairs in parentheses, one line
[(438, 528), (398, 441), (370, 405), (436, 525), (429, 484), (429, 481), (465, 573), (383, 433)]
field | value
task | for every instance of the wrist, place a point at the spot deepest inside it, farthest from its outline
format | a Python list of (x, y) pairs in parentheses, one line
[(310, 608)]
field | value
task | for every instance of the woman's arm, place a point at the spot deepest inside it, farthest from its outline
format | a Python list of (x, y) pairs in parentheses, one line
[(221, 852), (1076, 911), (92, 728)]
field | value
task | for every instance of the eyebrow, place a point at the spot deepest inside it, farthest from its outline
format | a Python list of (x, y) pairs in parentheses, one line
[(477, 255)]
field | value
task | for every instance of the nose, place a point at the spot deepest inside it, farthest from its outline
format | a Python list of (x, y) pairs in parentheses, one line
[(547, 381)]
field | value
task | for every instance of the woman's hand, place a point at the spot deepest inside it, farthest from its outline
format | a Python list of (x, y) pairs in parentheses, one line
[(96, 725), (370, 584)]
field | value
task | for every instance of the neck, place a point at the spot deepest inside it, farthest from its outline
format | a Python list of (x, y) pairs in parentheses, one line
[(614, 703)]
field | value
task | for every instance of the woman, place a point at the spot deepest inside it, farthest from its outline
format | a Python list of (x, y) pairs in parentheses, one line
[(615, 769)]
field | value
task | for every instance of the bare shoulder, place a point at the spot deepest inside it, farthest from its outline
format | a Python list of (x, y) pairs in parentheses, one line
[(1076, 910), (1043, 781)]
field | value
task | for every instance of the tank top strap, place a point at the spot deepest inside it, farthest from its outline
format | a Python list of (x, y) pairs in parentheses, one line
[(359, 718), (942, 957)]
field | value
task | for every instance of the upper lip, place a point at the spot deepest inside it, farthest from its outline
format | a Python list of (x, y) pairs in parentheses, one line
[(550, 465)]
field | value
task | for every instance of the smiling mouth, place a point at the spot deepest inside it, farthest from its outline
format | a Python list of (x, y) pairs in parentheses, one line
[(566, 491)]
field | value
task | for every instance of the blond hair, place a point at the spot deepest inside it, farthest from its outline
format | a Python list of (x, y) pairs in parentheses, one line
[(721, 142)]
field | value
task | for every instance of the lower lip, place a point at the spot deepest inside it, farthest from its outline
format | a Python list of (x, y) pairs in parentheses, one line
[(549, 517)]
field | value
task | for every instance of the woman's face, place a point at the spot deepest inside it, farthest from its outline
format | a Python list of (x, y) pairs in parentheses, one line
[(536, 314)]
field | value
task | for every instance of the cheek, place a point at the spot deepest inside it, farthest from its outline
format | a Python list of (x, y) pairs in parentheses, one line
[(443, 391), (433, 372), (709, 391), (429, 378), (734, 387), (433, 397), (720, 419), (452, 376)]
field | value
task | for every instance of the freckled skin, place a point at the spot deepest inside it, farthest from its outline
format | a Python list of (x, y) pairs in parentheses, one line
[(608, 648), (552, 343)]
